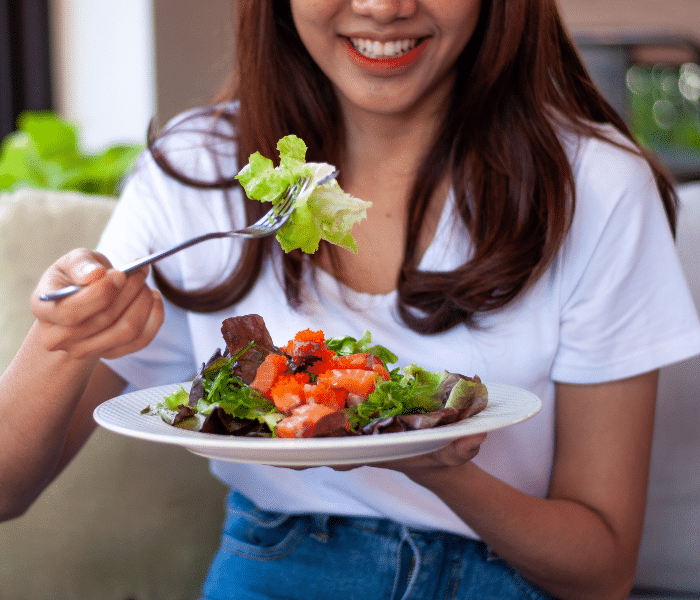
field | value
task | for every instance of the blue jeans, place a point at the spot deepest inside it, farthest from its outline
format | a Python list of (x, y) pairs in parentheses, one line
[(266, 555)]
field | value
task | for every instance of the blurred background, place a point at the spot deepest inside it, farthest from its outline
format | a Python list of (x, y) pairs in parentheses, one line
[(132, 520)]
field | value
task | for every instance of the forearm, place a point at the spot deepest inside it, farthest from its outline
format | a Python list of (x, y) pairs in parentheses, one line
[(49, 391), (560, 545), (39, 393)]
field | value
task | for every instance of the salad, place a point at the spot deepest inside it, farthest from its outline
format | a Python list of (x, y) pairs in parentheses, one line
[(321, 211), (314, 387)]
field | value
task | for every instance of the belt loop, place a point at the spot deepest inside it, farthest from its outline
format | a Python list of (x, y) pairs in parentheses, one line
[(321, 532)]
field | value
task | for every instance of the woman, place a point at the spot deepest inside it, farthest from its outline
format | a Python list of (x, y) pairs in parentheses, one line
[(514, 233)]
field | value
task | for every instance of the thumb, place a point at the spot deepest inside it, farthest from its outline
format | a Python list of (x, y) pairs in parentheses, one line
[(86, 272), (82, 266)]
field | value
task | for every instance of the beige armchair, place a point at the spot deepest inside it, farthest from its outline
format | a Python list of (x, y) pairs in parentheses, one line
[(127, 519), (36, 227)]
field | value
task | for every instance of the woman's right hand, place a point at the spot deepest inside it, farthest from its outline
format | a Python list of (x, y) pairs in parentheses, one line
[(112, 316)]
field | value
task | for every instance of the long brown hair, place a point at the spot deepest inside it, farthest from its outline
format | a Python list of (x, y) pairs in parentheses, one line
[(519, 82)]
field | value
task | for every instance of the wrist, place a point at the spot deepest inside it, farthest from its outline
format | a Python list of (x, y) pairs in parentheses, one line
[(55, 367), (439, 479)]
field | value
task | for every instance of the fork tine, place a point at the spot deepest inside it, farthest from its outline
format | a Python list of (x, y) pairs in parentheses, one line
[(289, 200), (275, 217), (281, 209)]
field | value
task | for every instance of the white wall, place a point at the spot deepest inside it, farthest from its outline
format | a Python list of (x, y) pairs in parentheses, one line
[(104, 68)]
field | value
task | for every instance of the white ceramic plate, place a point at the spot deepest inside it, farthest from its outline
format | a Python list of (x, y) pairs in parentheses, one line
[(507, 405)]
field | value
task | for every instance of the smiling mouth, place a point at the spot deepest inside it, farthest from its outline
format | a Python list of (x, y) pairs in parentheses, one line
[(383, 50)]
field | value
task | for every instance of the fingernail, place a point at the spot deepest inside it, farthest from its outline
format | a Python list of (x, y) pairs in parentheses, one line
[(86, 268)]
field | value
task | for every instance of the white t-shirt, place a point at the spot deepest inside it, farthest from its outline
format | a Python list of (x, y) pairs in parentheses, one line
[(613, 304)]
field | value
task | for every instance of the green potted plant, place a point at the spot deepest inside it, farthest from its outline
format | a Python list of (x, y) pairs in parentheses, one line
[(53, 197), (44, 152)]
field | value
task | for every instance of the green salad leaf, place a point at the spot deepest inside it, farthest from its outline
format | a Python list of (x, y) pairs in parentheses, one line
[(349, 345), (416, 391), (171, 411), (178, 398), (321, 212), (222, 390)]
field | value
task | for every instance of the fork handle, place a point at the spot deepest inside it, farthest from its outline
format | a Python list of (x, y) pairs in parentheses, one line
[(147, 260), (137, 264), (156, 256)]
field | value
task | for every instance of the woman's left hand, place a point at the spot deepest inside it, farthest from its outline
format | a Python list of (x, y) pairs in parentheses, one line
[(455, 454)]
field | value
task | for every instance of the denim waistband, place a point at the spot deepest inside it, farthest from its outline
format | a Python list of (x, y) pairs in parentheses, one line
[(346, 556), (323, 523)]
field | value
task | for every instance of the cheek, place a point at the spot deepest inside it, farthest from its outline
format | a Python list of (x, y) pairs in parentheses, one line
[(462, 16), (311, 23), (313, 13), (463, 29)]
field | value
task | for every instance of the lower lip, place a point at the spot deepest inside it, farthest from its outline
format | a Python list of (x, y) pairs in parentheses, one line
[(386, 64)]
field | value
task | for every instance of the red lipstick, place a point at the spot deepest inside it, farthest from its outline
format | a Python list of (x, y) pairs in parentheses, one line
[(386, 64)]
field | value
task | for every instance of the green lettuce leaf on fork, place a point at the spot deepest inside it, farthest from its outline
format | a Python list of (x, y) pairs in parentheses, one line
[(321, 212)]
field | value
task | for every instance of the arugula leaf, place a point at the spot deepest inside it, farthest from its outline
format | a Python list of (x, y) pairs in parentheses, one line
[(221, 390), (224, 389), (321, 211)]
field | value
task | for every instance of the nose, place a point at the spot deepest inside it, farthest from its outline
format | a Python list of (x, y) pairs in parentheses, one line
[(385, 11)]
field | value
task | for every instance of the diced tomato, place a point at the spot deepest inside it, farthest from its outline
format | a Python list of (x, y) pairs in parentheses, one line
[(361, 360), (311, 343), (288, 391), (305, 342), (272, 367), (355, 381), (322, 393), (302, 420), (381, 370)]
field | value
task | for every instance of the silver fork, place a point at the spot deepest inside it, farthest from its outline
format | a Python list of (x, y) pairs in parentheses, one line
[(268, 224)]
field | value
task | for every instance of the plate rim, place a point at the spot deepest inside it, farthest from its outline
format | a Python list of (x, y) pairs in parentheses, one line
[(241, 448)]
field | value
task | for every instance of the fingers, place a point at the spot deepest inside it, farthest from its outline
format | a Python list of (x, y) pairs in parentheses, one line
[(454, 454), (81, 267), (135, 329), (123, 328), (112, 315), (94, 308), (458, 452)]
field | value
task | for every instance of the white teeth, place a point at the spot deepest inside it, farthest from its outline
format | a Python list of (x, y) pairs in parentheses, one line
[(375, 49)]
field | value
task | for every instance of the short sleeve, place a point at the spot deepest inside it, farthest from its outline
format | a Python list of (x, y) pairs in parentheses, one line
[(625, 306), (135, 229), (156, 212)]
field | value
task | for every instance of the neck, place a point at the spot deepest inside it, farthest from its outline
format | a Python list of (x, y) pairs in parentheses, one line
[(382, 145), (383, 151), (382, 158)]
